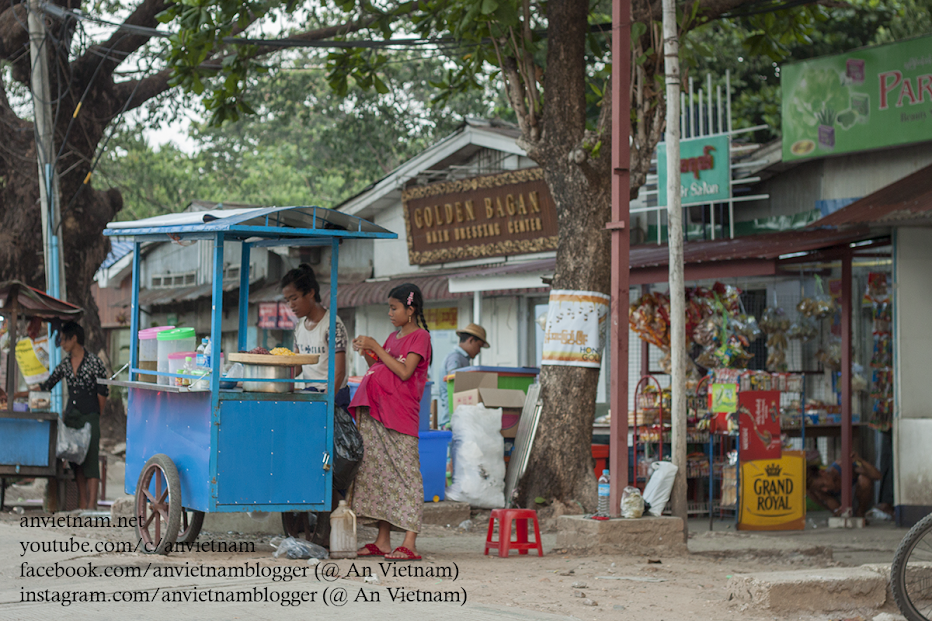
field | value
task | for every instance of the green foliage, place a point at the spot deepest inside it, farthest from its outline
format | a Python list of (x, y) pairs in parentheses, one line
[(306, 145)]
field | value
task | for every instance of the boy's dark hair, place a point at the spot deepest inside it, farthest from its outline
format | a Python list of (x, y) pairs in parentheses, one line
[(464, 338), (303, 279), (73, 329)]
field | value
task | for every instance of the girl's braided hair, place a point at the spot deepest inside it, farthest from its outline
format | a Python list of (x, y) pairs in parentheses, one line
[(410, 295)]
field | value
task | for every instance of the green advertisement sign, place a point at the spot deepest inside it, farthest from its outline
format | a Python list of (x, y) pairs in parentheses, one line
[(705, 171), (864, 99)]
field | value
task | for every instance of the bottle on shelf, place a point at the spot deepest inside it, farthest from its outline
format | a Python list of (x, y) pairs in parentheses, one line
[(603, 494), (187, 369), (208, 346), (200, 352)]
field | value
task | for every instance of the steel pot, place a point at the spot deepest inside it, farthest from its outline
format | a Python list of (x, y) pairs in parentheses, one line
[(253, 374)]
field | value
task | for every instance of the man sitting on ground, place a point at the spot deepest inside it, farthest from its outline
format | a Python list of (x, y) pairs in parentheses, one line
[(824, 485)]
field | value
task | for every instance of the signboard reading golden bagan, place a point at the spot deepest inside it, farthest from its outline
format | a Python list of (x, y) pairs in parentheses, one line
[(490, 216)]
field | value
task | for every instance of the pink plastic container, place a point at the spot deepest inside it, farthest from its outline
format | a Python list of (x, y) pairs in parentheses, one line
[(149, 352)]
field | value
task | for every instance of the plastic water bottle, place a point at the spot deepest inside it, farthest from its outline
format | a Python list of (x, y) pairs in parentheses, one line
[(200, 352), (603, 493), (207, 351), (187, 369)]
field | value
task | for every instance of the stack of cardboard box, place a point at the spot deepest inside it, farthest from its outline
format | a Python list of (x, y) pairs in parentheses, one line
[(481, 387)]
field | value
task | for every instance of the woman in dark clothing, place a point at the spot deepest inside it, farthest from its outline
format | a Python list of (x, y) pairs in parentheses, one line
[(86, 398)]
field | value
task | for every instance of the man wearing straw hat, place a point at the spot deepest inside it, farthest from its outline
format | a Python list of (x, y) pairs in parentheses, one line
[(472, 339)]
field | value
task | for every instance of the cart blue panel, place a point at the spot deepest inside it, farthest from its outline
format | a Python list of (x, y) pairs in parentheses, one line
[(178, 425), (270, 453), (31, 446)]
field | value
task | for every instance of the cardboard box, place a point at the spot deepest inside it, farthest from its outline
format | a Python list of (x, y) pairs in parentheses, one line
[(476, 388)]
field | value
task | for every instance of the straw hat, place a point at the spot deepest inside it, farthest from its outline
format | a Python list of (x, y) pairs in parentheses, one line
[(476, 331)]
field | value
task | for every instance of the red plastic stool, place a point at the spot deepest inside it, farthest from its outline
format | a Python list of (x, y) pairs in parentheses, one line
[(504, 544), (600, 454)]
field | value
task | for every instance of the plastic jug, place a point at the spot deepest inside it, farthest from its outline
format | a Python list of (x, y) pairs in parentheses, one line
[(343, 532)]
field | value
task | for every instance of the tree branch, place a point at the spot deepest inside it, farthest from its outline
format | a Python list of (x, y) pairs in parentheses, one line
[(122, 43), (145, 89)]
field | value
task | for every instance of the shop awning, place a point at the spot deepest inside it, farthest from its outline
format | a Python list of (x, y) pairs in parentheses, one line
[(907, 202), (34, 303), (754, 255)]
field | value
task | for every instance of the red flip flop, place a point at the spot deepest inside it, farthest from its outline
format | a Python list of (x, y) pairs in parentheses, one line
[(372, 549), (408, 555)]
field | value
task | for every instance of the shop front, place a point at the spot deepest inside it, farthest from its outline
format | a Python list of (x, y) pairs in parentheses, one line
[(477, 234)]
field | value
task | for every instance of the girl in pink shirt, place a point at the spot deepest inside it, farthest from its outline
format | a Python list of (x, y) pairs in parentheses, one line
[(389, 489)]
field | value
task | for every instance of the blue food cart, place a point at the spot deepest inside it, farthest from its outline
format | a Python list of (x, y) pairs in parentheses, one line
[(190, 452)]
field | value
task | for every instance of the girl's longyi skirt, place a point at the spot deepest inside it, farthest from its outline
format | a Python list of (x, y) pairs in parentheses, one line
[(388, 485)]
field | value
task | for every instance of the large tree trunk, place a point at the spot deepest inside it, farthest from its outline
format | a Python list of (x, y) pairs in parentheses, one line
[(85, 211), (560, 463)]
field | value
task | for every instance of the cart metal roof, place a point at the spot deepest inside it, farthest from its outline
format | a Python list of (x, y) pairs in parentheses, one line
[(258, 226)]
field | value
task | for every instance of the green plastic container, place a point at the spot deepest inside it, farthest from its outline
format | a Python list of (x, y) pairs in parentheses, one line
[(170, 342)]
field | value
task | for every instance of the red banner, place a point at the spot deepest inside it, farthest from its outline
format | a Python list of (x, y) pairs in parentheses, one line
[(759, 425), (268, 315), (286, 319)]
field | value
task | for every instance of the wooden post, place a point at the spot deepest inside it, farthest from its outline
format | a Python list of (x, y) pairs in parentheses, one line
[(677, 283), (621, 242)]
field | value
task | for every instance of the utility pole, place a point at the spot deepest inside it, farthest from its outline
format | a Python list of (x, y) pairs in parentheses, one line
[(621, 260), (48, 176), (677, 282)]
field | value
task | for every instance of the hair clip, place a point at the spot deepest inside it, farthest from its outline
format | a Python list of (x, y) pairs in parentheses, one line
[(410, 299)]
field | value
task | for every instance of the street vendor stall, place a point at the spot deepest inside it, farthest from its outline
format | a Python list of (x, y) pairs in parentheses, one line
[(207, 446), (28, 438)]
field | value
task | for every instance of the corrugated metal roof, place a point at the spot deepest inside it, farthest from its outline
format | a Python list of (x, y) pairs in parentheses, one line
[(904, 202), (118, 249), (165, 297), (767, 246)]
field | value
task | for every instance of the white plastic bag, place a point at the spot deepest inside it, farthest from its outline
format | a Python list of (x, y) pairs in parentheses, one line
[(72, 444), (478, 464), (632, 503), (298, 548), (659, 486)]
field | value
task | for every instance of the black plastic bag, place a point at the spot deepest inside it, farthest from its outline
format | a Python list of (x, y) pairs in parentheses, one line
[(347, 449)]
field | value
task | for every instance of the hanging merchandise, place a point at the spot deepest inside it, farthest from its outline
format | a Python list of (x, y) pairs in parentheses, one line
[(32, 358), (775, 324), (819, 307), (830, 354), (804, 329), (880, 416)]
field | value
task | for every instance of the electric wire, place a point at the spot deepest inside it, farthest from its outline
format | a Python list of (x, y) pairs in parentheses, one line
[(99, 154)]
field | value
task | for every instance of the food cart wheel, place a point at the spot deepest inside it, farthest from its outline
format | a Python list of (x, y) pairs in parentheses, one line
[(191, 523), (297, 525), (158, 510)]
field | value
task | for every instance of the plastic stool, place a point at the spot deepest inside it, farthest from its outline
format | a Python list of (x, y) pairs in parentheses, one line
[(504, 544), (600, 454)]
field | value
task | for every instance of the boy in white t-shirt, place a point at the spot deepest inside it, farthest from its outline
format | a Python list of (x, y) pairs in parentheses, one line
[(302, 293)]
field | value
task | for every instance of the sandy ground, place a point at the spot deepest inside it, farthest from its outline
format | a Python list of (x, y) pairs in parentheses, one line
[(598, 586)]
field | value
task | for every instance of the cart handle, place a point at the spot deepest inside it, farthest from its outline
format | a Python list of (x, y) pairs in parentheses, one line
[(123, 368)]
